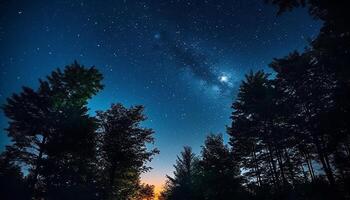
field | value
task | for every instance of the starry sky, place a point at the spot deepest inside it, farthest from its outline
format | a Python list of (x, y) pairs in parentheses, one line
[(183, 60)]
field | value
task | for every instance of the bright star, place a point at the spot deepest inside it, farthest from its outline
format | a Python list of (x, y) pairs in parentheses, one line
[(223, 79)]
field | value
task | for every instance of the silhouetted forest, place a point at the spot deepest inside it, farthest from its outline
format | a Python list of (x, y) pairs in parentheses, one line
[(289, 137), (67, 153)]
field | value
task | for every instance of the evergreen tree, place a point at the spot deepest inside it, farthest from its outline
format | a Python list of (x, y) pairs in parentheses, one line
[(251, 134), (264, 144), (219, 174), (325, 67), (122, 151), (181, 185)]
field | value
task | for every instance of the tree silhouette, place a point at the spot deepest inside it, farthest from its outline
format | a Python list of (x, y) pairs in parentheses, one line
[(122, 150), (181, 185), (324, 89), (253, 134), (219, 173), (69, 154), (146, 192), (214, 175), (42, 123)]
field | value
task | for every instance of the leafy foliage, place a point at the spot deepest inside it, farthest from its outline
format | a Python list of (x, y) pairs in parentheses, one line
[(57, 142), (122, 150)]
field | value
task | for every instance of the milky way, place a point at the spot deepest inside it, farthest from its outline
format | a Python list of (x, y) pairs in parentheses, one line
[(183, 60)]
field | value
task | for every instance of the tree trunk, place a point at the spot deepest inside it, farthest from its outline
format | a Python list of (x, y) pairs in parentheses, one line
[(111, 183), (34, 180), (309, 165), (328, 171), (280, 163), (256, 166), (311, 170), (274, 168)]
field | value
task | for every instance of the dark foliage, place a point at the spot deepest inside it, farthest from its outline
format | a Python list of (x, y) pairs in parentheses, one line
[(146, 192), (12, 183), (289, 133), (66, 153), (181, 186), (213, 175), (122, 151)]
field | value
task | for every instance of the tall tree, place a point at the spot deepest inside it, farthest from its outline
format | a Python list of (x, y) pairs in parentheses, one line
[(39, 123), (181, 185), (123, 151), (251, 135), (68, 170), (220, 175), (310, 89), (264, 144)]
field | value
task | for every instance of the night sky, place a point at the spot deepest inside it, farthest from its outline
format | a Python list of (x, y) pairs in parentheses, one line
[(182, 60)]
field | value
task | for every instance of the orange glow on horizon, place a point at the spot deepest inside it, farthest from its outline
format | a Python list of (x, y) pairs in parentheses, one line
[(157, 180), (157, 191)]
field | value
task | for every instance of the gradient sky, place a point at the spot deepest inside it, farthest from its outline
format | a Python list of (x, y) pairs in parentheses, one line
[(182, 60)]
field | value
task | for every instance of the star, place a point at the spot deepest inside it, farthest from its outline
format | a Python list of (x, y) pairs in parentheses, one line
[(223, 79)]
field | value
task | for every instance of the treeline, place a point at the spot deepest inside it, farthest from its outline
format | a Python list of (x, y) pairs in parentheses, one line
[(58, 151), (289, 137), (213, 175)]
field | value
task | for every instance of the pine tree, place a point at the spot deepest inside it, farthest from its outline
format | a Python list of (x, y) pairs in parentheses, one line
[(181, 185), (219, 171)]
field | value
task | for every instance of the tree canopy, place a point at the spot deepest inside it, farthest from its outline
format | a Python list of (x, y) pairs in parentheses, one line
[(68, 154)]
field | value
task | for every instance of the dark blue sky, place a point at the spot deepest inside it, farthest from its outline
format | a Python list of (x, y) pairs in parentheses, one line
[(183, 60)]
